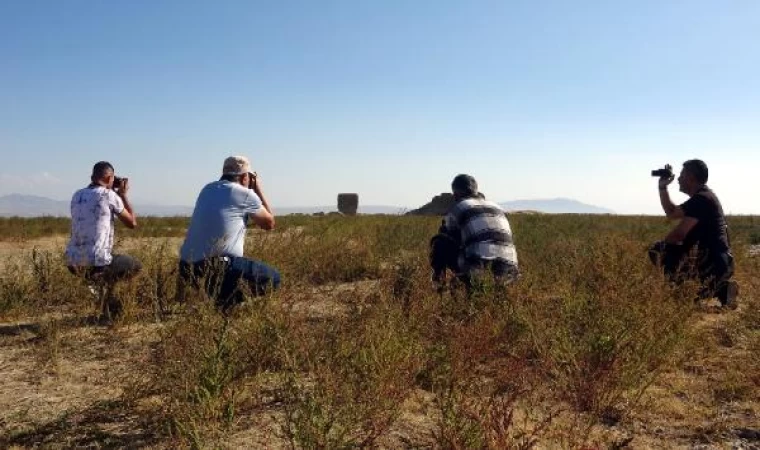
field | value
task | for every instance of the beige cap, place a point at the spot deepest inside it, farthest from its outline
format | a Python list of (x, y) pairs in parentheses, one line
[(236, 165)]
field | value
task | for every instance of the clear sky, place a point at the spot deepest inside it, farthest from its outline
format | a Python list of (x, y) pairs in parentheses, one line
[(390, 99)]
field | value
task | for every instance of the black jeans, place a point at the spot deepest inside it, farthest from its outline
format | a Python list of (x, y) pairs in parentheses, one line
[(221, 277), (712, 270)]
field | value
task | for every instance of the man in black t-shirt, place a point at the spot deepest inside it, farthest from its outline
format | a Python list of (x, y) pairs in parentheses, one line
[(702, 226)]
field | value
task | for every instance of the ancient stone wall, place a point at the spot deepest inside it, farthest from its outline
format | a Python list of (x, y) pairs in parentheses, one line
[(348, 204)]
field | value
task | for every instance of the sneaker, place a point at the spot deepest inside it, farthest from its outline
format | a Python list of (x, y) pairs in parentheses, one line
[(94, 290), (732, 292)]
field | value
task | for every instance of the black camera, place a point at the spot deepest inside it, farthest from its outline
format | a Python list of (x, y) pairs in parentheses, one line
[(663, 173), (118, 182)]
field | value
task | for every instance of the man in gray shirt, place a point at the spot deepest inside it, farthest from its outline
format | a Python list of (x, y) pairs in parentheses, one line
[(213, 247)]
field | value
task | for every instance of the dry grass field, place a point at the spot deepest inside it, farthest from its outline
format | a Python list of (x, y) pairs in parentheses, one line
[(590, 349)]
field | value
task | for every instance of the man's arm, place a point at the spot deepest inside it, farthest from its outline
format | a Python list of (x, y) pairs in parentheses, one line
[(264, 217), (679, 233), (672, 211), (442, 229), (450, 228), (127, 215)]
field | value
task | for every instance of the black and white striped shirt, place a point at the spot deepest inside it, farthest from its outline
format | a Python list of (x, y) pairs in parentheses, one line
[(483, 229)]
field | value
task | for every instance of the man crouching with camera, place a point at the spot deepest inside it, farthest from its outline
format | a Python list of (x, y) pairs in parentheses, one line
[(213, 252), (88, 253), (702, 225)]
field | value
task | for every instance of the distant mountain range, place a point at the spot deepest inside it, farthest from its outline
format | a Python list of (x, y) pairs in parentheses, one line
[(31, 206), (555, 206), (34, 206)]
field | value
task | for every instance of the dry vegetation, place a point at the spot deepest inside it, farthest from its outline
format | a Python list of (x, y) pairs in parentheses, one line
[(590, 349)]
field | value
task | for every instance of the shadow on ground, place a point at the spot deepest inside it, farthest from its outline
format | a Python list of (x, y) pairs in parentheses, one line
[(104, 425)]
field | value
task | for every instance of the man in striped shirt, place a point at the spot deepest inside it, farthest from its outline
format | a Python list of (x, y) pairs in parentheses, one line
[(475, 235)]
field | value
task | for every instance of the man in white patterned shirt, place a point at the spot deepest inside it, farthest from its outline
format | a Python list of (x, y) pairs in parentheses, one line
[(475, 235), (88, 253)]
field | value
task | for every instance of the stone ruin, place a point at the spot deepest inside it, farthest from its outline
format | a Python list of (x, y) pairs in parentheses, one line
[(438, 206), (348, 204)]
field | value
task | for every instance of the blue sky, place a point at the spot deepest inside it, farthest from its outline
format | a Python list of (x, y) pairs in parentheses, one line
[(390, 99)]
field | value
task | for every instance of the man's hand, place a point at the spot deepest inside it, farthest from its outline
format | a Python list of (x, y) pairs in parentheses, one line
[(265, 217), (671, 210), (665, 181), (120, 186), (255, 183), (123, 187), (127, 216)]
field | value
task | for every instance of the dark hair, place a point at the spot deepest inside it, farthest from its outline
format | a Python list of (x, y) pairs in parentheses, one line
[(229, 177), (100, 169), (465, 185), (698, 168)]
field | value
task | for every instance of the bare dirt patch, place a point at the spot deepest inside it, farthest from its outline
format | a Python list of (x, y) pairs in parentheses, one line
[(55, 381)]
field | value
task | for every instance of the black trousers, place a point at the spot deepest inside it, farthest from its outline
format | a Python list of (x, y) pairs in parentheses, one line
[(712, 270)]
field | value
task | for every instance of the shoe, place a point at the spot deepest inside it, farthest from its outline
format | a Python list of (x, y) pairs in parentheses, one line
[(95, 290), (730, 300), (112, 308)]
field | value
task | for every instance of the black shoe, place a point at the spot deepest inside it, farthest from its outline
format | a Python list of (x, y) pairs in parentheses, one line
[(112, 309), (729, 295)]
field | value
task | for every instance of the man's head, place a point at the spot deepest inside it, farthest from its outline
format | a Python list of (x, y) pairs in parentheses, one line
[(237, 169), (103, 174), (464, 186), (693, 176)]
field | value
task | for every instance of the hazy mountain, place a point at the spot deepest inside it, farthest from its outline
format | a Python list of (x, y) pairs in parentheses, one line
[(555, 206), (34, 206), (440, 204)]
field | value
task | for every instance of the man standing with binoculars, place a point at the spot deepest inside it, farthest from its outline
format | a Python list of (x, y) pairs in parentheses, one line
[(702, 225)]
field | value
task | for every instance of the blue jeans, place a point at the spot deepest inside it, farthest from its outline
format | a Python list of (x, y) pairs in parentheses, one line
[(221, 278)]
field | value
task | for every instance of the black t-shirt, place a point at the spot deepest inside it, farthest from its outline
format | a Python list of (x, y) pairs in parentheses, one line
[(711, 232)]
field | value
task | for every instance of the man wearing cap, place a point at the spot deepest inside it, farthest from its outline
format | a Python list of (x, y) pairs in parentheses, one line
[(89, 251), (213, 248), (474, 236)]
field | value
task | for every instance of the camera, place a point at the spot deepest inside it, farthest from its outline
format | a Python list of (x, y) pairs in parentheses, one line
[(252, 180), (118, 182), (663, 173)]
